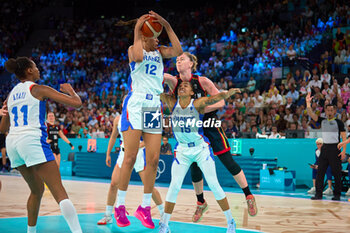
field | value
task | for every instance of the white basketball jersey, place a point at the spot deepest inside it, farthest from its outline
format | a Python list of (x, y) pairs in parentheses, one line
[(27, 113), (147, 76), (185, 124)]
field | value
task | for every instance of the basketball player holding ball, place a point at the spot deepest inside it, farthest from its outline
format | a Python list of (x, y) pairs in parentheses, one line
[(145, 86)]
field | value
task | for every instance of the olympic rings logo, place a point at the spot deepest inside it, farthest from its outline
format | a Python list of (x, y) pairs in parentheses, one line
[(160, 168)]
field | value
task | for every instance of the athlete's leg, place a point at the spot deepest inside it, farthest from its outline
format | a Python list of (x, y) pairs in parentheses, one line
[(50, 174), (155, 193), (152, 144), (3, 156), (178, 173), (36, 186), (197, 181), (113, 188), (157, 198), (131, 148), (208, 168), (58, 159), (111, 196)]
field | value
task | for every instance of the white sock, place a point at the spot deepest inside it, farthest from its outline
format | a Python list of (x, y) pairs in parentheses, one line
[(161, 209), (166, 218), (146, 200), (109, 210), (70, 215), (121, 198), (31, 229), (228, 215)]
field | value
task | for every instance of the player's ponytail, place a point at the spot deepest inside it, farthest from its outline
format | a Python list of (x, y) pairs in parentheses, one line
[(18, 66), (121, 23), (193, 59)]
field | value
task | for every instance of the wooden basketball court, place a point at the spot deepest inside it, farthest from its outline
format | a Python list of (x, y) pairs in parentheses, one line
[(276, 213)]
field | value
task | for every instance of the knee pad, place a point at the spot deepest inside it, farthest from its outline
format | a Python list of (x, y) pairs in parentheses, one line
[(196, 173), (229, 163)]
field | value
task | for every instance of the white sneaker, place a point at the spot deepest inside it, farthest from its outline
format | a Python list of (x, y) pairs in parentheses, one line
[(312, 190), (347, 193), (328, 192), (105, 220), (231, 228)]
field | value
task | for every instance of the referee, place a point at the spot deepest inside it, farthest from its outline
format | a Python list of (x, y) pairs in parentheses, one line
[(332, 128)]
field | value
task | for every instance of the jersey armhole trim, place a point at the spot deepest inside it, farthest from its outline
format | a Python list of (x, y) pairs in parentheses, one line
[(31, 86)]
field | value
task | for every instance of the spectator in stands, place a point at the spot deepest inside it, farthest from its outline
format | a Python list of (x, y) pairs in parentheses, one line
[(325, 77), (293, 93), (274, 134), (307, 76), (291, 53), (275, 98), (251, 85), (165, 148)]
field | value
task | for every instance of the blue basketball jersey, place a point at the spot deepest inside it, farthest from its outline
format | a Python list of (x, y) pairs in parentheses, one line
[(147, 76), (27, 113)]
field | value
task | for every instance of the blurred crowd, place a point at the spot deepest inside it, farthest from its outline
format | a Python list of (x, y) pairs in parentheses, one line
[(233, 44)]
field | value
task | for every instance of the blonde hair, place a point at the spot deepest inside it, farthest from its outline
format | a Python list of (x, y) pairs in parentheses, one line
[(319, 140), (193, 59)]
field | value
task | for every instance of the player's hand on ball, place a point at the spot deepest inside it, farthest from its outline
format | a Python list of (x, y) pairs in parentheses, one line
[(141, 21), (159, 18)]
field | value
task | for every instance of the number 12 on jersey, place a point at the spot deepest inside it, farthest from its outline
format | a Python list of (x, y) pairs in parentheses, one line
[(151, 69), (24, 111)]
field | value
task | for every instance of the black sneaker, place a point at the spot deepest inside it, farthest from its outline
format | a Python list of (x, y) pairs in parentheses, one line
[(336, 198), (316, 198)]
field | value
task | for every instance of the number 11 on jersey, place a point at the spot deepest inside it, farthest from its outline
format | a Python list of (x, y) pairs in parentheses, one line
[(24, 110)]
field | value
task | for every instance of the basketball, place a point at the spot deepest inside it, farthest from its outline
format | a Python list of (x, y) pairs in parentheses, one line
[(151, 29)]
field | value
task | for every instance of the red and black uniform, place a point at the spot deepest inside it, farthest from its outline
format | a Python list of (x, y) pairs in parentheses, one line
[(217, 137), (52, 134)]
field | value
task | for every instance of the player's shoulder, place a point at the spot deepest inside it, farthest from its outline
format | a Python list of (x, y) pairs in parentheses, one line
[(203, 79)]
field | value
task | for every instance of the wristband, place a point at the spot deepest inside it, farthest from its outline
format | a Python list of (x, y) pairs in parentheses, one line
[(71, 145)]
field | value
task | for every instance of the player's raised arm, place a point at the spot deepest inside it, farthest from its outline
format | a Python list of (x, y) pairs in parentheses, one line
[(169, 100), (176, 49), (170, 80), (201, 103), (210, 88), (70, 98), (135, 51)]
